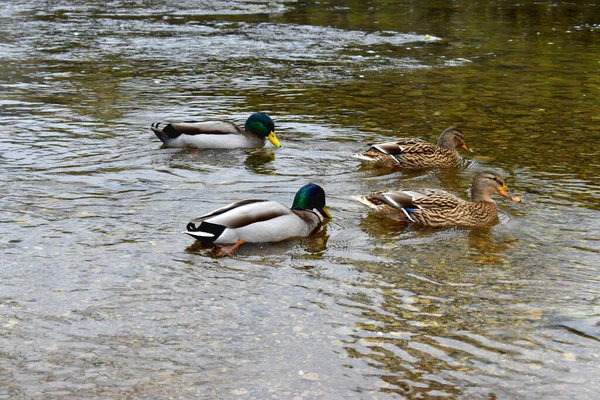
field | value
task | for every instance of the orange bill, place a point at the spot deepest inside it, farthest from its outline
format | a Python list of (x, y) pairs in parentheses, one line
[(506, 193)]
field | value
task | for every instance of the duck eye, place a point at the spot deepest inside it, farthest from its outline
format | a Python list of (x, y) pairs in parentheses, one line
[(495, 179)]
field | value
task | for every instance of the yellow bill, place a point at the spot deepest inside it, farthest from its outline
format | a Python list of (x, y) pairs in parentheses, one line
[(273, 139), (325, 212)]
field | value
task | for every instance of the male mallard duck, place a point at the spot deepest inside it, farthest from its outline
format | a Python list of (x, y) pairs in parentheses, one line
[(258, 221), (437, 208), (415, 153), (218, 134)]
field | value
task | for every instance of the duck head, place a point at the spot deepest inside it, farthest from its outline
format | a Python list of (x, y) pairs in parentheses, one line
[(262, 125), (453, 138), (311, 197), (487, 183)]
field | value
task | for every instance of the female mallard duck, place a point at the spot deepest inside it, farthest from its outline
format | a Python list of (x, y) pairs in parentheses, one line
[(218, 134), (259, 221), (437, 208), (415, 153)]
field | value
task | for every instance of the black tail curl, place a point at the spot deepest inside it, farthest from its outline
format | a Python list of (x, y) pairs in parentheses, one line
[(206, 227), (191, 227), (169, 130)]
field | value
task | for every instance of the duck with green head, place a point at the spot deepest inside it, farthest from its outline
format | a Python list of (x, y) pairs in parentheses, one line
[(260, 221), (218, 134), (438, 208), (415, 153)]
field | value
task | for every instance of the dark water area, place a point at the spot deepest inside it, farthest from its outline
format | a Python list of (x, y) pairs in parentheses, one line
[(101, 296)]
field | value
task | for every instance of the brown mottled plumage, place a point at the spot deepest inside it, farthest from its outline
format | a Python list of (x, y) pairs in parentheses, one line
[(415, 153), (437, 208)]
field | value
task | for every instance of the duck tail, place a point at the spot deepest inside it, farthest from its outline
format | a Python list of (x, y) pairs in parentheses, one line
[(363, 200), (165, 133), (363, 157), (379, 204), (205, 232)]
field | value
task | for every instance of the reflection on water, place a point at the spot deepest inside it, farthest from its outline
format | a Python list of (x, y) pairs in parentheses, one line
[(102, 296), (258, 161)]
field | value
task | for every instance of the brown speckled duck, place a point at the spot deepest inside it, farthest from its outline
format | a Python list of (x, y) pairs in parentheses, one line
[(438, 208), (415, 153)]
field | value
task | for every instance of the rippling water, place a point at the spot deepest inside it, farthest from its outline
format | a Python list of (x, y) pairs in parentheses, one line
[(101, 296)]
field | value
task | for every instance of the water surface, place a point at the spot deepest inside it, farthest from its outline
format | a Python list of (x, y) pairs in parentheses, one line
[(102, 297)]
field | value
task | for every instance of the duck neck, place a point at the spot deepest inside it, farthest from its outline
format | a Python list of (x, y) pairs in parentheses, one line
[(446, 142), (481, 197)]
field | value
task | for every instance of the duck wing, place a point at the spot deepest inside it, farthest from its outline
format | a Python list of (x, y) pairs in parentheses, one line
[(225, 209), (174, 130), (418, 199), (241, 214), (404, 146), (412, 202)]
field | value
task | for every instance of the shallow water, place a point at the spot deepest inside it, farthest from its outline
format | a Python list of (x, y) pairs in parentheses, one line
[(101, 296)]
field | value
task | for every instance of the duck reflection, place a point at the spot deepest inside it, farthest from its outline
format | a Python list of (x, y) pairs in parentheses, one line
[(314, 247), (381, 227), (486, 250), (259, 161), (484, 246), (255, 160)]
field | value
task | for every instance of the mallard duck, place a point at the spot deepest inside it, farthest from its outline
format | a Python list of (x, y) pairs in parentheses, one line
[(438, 208), (259, 221), (218, 134), (415, 153)]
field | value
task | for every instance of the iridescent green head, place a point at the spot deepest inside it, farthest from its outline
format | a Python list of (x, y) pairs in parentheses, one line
[(311, 197), (262, 125)]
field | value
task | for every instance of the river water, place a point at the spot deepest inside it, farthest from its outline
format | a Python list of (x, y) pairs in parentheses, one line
[(101, 296)]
